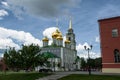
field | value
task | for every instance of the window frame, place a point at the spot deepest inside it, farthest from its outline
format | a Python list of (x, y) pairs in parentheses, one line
[(115, 32), (116, 56)]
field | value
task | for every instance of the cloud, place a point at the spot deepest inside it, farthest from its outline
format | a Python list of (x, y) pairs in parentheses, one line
[(4, 43), (97, 39), (5, 4), (48, 32), (14, 38), (109, 11), (41, 8), (81, 46), (3, 13), (1, 55), (83, 53), (92, 54)]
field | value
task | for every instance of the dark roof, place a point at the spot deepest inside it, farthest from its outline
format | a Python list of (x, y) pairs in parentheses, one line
[(108, 18)]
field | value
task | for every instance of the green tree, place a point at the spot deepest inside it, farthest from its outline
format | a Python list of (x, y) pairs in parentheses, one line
[(98, 63), (11, 58), (83, 63), (95, 63), (30, 56)]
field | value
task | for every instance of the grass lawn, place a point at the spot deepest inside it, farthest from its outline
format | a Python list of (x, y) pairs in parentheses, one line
[(91, 77), (22, 76)]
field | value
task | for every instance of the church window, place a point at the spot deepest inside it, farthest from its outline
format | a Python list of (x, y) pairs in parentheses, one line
[(115, 33), (117, 56), (69, 38)]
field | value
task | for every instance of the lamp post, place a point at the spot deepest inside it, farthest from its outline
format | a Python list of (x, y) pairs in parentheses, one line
[(88, 49)]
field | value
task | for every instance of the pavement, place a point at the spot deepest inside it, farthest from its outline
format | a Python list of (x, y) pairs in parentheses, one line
[(57, 75)]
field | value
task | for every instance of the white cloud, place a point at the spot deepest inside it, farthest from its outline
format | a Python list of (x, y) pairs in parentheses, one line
[(4, 43), (5, 4), (83, 53), (14, 38), (3, 13), (81, 47), (97, 39), (48, 32)]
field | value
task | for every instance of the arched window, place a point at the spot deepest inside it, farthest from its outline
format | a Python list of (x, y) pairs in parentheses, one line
[(117, 56)]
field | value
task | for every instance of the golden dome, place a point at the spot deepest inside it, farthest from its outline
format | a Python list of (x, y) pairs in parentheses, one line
[(59, 38), (67, 41), (56, 33), (45, 39)]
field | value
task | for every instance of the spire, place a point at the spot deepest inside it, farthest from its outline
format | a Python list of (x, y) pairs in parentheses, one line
[(57, 22), (70, 23)]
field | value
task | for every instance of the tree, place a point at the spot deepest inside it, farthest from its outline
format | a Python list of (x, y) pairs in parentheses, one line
[(26, 58), (83, 63), (94, 63), (98, 63), (30, 56), (91, 63), (11, 58)]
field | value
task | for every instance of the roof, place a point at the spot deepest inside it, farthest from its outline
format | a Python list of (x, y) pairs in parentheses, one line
[(108, 18), (56, 33), (45, 39), (49, 55)]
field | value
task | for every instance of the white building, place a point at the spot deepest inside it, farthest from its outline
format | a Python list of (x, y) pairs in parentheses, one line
[(66, 55)]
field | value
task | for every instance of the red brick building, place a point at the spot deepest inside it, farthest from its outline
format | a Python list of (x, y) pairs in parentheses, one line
[(2, 65), (110, 44)]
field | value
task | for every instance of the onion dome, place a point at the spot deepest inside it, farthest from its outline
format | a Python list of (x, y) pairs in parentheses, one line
[(59, 37), (45, 39), (56, 33), (67, 41)]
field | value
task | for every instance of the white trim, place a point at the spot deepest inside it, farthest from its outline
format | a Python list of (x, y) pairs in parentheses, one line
[(111, 70), (62, 61), (110, 63)]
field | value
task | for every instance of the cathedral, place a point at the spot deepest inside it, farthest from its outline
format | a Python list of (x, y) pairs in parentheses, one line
[(64, 55)]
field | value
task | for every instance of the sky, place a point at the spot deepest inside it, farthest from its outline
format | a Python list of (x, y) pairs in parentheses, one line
[(28, 21)]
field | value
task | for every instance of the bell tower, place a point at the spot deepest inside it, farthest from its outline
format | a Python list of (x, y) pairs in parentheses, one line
[(71, 36)]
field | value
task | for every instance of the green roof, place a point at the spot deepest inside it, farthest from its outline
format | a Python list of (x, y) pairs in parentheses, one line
[(49, 55)]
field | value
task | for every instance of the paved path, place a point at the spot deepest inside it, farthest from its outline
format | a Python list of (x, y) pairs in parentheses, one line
[(55, 76), (58, 75)]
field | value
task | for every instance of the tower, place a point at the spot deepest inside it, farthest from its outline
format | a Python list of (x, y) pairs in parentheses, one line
[(71, 36), (67, 43), (59, 40), (45, 41)]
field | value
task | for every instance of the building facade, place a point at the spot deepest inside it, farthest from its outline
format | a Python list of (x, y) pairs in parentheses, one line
[(2, 65), (67, 54), (110, 44)]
